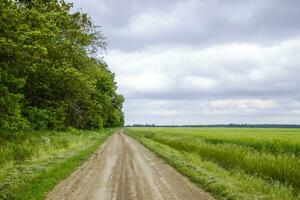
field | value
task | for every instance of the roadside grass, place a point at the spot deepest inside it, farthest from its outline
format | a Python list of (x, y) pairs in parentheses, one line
[(227, 170), (49, 157)]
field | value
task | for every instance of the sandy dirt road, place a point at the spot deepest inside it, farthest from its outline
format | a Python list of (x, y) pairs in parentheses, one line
[(124, 170)]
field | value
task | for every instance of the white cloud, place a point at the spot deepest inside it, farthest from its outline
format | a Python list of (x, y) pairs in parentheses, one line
[(225, 68), (242, 104), (210, 112), (226, 80), (199, 82), (192, 62), (144, 82)]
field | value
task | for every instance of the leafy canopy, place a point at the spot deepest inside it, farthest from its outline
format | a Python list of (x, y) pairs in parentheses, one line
[(50, 75)]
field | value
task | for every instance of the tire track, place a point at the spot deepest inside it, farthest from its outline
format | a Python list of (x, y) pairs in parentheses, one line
[(124, 170)]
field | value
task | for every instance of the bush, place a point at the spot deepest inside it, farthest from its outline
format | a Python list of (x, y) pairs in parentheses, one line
[(21, 153), (43, 119)]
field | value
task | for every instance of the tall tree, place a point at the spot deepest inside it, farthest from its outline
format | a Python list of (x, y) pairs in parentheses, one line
[(50, 76)]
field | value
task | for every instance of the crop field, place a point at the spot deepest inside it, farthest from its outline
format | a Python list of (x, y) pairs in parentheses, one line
[(231, 163)]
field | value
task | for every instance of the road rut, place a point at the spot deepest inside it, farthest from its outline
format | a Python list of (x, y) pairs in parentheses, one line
[(124, 170)]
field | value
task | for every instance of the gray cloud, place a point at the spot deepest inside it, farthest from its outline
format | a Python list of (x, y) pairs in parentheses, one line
[(240, 71), (204, 112), (136, 24), (196, 61)]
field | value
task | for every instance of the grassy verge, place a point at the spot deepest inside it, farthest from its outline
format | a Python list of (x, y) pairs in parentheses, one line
[(49, 157), (223, 183)]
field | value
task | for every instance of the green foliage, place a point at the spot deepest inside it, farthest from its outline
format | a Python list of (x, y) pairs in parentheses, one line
[(234, 159), (21, 153), (50, 77)]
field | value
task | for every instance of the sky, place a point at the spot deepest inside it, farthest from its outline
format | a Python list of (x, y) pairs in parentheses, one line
[(203, 62)]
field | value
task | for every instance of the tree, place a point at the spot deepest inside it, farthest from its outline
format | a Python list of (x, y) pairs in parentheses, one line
[(50, 74)]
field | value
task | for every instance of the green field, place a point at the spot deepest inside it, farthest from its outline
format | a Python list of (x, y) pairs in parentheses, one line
[(33, 162), (231, 163)]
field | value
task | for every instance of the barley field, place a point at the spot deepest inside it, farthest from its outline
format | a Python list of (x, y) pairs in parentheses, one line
[(231, 163)]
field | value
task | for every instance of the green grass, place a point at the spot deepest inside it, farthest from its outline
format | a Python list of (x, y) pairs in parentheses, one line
[(32, 163), (275, 141), (231, 163)]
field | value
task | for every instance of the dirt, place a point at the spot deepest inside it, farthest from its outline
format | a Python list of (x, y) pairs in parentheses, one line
[(124, 170)]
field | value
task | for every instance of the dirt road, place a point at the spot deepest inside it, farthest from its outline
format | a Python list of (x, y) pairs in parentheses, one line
[(124, 170)]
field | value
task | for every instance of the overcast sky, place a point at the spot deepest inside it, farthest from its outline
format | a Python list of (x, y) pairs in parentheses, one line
[(203, 62)]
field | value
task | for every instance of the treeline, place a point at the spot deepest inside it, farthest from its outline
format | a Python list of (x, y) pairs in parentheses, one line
[(223, 125), (51, 76)]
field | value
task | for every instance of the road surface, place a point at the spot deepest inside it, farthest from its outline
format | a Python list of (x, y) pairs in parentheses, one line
[(124, 170)]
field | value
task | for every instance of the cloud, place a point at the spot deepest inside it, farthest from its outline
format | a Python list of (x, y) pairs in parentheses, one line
[(225, 83), (196, 61), (133, 25), (198, 111), (231, 70), (242, 104)]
